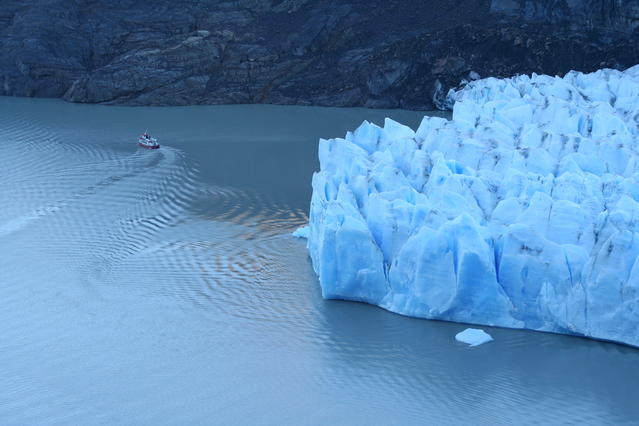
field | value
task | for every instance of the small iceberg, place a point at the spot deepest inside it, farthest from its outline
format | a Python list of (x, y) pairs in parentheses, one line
[(301, 232), (474, 337)]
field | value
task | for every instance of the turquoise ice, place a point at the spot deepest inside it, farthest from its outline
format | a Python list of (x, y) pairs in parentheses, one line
[(473, 337), (522, 211)]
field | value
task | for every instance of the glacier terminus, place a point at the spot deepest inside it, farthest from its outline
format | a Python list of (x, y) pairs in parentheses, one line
[(522, 211)]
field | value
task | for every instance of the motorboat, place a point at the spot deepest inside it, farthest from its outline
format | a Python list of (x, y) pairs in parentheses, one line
[(146, 141)]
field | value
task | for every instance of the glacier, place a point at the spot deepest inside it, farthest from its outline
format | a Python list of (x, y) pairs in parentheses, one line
[(522, 211)]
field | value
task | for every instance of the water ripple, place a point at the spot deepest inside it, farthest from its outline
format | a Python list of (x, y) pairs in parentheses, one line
[(134, 292)]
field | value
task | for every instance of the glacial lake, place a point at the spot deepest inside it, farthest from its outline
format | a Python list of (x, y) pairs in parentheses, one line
[(164, 287)]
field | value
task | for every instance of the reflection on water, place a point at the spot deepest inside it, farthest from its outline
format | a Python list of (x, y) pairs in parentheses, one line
[(163, 287)]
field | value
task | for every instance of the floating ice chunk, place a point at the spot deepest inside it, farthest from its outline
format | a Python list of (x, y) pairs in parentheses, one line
[(473, 337), (301, 232)]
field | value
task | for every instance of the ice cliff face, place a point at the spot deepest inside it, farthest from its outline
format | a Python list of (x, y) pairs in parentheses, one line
[(374, 53), (522, 211)]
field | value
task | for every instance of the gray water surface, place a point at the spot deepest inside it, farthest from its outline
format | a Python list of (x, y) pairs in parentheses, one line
[(163, 287)]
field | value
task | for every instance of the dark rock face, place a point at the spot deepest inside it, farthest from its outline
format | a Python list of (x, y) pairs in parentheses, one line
[(375, 53)]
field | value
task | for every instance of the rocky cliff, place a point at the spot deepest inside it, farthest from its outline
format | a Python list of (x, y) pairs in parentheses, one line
[(375, 53)]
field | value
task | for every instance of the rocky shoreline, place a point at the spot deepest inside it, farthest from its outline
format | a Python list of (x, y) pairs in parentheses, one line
[(379, 54)]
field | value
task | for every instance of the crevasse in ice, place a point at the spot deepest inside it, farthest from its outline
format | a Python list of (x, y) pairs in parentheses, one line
[(522, 211)]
